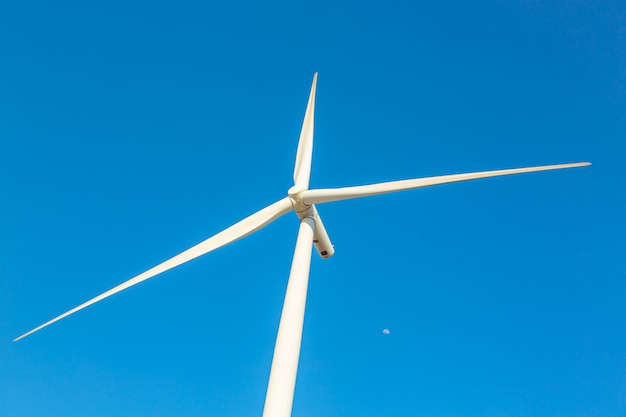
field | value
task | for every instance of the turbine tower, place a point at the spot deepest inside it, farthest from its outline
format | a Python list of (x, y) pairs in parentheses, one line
[(301, 200)]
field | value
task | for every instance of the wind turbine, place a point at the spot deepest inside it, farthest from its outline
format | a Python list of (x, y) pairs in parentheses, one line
[(280, 390)]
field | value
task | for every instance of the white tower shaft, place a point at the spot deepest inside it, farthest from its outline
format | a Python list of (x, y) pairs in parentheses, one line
[(282, 382)]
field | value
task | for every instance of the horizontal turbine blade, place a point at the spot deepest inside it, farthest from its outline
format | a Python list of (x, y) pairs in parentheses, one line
[(302, 170), (245, 227), (336, 194)]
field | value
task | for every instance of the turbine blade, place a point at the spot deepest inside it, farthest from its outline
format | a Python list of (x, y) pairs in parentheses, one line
[(302, 170), (243, 228), (337, 194)]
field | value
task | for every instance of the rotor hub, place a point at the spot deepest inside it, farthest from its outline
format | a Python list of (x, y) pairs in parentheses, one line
[(295, 195)]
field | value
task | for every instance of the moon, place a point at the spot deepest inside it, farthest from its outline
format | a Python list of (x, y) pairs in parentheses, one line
[(386, 331)]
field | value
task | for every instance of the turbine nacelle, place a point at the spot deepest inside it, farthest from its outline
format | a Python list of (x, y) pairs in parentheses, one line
[(321, 240)]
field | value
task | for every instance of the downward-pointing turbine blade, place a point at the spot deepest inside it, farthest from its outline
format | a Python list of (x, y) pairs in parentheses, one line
[(337, 194), (302, 171), (241, 229)]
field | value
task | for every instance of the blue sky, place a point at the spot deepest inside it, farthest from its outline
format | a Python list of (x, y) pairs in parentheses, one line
[(130, 131)]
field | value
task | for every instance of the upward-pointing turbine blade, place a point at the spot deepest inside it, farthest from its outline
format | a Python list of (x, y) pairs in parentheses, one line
[(302, 171), (241, 229), (337, 194)]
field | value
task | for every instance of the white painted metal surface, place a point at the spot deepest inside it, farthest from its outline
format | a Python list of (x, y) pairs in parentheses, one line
[(282, 382), (301, 200)]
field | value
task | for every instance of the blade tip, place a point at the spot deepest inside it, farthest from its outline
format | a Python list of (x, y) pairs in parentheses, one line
[(577, 164)]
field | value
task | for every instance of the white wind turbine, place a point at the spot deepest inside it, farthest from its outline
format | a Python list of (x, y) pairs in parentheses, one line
[(280, 390)]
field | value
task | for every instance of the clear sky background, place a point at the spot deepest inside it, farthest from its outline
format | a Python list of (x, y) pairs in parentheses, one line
[(130, 131)]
